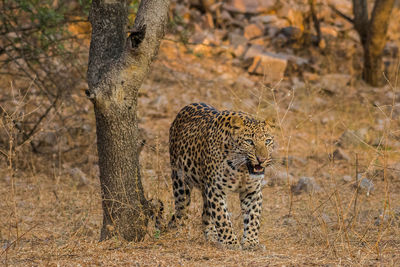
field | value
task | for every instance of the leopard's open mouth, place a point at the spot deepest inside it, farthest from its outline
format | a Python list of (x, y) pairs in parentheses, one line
[(255, 169)]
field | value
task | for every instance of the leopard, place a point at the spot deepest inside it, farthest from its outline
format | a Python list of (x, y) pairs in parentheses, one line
[(219, 152)]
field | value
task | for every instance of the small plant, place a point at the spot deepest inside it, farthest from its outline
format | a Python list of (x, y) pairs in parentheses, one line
[(157, 234)]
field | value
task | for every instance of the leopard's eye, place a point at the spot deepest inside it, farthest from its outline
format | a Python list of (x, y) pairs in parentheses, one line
[(249, 141), (268, 141)]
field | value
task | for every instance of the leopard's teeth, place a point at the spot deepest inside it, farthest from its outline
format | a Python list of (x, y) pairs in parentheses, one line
[(258, 168)]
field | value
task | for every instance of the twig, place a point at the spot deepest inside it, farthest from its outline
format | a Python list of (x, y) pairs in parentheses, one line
[(341, 14), (18, 238), (315, 19), (44, 115), (357, 188)]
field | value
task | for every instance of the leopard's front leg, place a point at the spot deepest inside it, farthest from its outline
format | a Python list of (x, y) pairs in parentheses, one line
[(209, 230), (217, 209), (251, 202)]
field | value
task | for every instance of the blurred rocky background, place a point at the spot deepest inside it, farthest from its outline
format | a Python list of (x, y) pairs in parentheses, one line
[(334, 187)]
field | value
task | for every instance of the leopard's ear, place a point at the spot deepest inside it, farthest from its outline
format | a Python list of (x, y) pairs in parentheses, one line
[(270, 124), (236, 122)]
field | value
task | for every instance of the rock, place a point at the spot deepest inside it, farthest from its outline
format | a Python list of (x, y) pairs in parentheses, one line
[(379, 174), (239, 51), (299, 61), (291, 34), (271, 65), (87, 127), (259, 41), (288, 220), (226, 17), (49, 138), (329, 30), (310, 77), (347, 179), (252, 31), (340, 154), (344, 6), (46, 142), (275, 26), (326, 119), (237, 62), (237, 40), (253, 51), (220, 35), (293, 160), (297, 84), (202, 36), (208, 21), (295, 66), (279, 178), (366, 185), (238, 24), (293, 15), (264, 19), (335, 83), (212, 39), (183, 12), (351, 138), (249, 6), (392, 217), (306, 184), (227, 78), (79, 176), (382, 219), (198, 37)]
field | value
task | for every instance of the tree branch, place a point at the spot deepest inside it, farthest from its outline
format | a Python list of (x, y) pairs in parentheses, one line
[(360, 11), (126, 68), (341, 14), (379, 22), (315, 20)]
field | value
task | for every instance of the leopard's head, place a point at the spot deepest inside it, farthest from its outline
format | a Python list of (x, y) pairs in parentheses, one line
[(253, 143)]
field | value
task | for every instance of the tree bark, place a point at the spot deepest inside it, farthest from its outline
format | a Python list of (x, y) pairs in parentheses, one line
[(117, 67), (373, 36), (376, 40)]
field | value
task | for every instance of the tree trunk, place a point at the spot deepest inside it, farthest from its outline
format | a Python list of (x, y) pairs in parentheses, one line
[(376, 40), (117, 67), (373, 36)]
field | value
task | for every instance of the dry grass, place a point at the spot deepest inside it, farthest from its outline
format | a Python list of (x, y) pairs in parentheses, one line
[(51, 210)]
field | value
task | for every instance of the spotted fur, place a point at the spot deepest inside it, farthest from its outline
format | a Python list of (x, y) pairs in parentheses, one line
[(220, 151)]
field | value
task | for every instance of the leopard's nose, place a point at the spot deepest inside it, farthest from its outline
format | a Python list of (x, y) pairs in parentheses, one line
[(261, 160)]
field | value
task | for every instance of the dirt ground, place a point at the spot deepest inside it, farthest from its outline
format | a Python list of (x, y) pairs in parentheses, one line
[(50, 213)]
